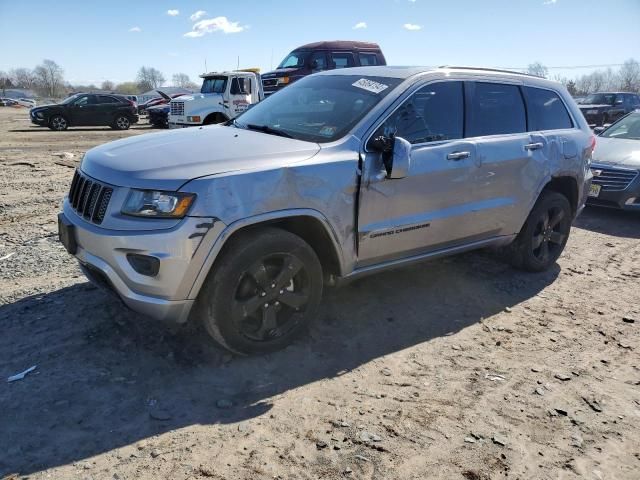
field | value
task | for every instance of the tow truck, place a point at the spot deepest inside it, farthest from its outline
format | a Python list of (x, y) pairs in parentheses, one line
[(223, 96)]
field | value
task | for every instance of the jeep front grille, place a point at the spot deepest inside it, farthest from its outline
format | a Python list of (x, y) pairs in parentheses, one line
[(613, 178), (177, 108), (89, 198)]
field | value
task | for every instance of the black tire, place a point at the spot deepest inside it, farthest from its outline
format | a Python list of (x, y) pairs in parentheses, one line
[(544, 234), (262, 293), (121, 122), (58, 123)]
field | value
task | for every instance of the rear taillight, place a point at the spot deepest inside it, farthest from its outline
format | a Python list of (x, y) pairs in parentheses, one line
[(593, 143), (131, 102)]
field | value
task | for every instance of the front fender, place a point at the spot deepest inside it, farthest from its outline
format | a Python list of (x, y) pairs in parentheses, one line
[(262, 219)]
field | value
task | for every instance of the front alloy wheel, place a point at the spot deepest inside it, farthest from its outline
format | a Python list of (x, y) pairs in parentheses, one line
[(262, 292), (58, 123)]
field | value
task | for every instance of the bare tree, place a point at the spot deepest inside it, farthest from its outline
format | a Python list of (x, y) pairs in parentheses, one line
[(180, 80), (538, 69), (22, 78), (630, 76), (611, 79), (108, 85), (571, 87), (597, 81), (5, 82), (49, 77), (149, 78), (127, 88), (585, 84)]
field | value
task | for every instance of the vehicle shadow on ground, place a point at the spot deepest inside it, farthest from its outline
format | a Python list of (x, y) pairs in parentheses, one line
[(610, 222), (76, 129), (103, 372)]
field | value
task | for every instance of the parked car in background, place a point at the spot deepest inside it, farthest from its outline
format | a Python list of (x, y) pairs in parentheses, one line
[(133, 98), (161, 100), (345, 173), (223, 96), (159, 115), (86, 109), (616, 166), (602, 108), (320, 56), (26, 102), (7, 102)]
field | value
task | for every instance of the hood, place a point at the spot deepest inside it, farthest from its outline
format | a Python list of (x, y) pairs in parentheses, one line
[(617, 151), (196, 96), (587, 106), (280, 71), (43, 107), (167, 160)]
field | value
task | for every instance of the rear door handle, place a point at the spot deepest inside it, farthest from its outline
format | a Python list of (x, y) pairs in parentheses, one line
[(533, 146), (458, 155)]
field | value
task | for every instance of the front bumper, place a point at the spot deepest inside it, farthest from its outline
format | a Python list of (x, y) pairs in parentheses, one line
[(182, 251), (38, 120), (626, 199)]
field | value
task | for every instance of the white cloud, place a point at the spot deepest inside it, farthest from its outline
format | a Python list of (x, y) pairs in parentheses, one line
[(360, 25), (549, 2), (135, 29), (173, 13), (197, 15), (218, 24), (412, 27)]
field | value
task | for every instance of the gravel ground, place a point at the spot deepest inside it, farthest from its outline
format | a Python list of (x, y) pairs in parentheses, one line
[(459, 368)]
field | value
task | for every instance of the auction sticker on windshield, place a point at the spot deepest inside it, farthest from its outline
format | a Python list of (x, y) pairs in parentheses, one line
[(370, 85)]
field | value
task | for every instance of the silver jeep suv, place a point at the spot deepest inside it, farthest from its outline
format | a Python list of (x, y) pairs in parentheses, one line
[(342, 174)]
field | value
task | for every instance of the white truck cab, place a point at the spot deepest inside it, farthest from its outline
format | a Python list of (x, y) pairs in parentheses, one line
[(223, 96)]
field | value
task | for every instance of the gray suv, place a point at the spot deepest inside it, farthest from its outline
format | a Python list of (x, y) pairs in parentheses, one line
[(344, 173)]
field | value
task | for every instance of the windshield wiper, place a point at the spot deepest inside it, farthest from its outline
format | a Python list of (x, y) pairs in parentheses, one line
[(268, 129)]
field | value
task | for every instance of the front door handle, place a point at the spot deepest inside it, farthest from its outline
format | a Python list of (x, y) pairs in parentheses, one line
[(458, 155), (533, 146)]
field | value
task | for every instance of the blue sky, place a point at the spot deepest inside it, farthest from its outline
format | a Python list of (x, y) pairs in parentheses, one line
[(95, 41)]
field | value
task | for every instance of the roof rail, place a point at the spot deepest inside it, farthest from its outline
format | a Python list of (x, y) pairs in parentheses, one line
[(489, 70)]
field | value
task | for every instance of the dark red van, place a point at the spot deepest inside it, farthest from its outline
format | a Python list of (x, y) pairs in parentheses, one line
[(319, 56)]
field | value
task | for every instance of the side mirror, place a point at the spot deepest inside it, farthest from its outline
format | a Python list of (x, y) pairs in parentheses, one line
[(396, 155), (401, 158), (599, 130)]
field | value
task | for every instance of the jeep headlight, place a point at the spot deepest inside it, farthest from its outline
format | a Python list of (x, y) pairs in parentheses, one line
[(157, 204)]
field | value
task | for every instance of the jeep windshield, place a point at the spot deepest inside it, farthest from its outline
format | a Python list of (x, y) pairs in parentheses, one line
[(600, 99), (318, 108)]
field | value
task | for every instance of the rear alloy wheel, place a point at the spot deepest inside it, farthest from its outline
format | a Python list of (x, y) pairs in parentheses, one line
[(58, 122), (263, 293), (544, 234), (122, 123)]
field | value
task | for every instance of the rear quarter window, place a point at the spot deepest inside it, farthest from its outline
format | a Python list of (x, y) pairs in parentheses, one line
[(495, 109), (546, 110)]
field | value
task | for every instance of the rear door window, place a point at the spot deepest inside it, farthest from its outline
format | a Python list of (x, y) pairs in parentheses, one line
[(495, 109), (546, 110), (341, 59), (368, 59), (433, 113), (102, 99)]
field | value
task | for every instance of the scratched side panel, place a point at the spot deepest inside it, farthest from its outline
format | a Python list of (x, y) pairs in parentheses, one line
[(326, 183)]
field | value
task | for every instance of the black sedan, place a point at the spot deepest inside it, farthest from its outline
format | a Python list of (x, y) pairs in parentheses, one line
[(86, 109), (616, 166)]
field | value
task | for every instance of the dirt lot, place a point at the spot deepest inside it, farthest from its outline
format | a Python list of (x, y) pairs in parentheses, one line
[(460, 368)]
